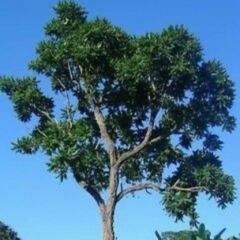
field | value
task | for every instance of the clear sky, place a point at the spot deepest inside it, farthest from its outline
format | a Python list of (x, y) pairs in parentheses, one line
[(36, 204)]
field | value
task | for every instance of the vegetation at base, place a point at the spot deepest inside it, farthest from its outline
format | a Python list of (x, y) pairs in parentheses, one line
[(200, 234)]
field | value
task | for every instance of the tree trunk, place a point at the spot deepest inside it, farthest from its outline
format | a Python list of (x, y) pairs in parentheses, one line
[(108, 221)]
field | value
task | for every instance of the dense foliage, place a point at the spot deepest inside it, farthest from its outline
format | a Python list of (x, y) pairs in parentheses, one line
[(201, 234), (180, 235), (6, 233), (134, 108)]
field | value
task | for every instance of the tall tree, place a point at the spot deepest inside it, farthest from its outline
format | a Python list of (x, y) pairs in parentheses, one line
[(133, 108)]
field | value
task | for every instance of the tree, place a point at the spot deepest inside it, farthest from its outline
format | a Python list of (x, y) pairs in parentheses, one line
[(201, 234), (133, 109), (180, 235), (6, 233)]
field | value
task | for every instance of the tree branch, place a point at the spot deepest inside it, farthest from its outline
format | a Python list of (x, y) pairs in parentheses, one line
[(154, 140), (102, 125), (158, 189), (70, 71), (70, 112), (94, 193), (143, 144), (146, 141), (44, 113), (189, 189), (42, 133), (139, 187), (104, 133)]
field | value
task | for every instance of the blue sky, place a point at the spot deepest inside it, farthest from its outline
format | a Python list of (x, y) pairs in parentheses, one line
[(36, 204)]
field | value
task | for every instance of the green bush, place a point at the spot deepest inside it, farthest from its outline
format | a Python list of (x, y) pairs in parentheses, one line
[(201, 234)]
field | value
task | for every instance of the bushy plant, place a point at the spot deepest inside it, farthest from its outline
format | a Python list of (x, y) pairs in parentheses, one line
[(201, 234)]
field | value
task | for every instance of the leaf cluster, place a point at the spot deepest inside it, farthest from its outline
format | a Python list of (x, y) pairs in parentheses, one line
[(6, 233)]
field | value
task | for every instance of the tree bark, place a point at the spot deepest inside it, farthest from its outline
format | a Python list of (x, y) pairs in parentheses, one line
[(109, 211), (108, 221)]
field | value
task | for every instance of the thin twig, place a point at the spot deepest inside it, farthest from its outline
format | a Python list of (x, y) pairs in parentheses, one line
[(69, 106), (42, 133), (44, 113)]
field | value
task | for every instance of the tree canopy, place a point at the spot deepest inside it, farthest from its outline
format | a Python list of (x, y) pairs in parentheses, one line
[(6, 233), (137, 112)]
